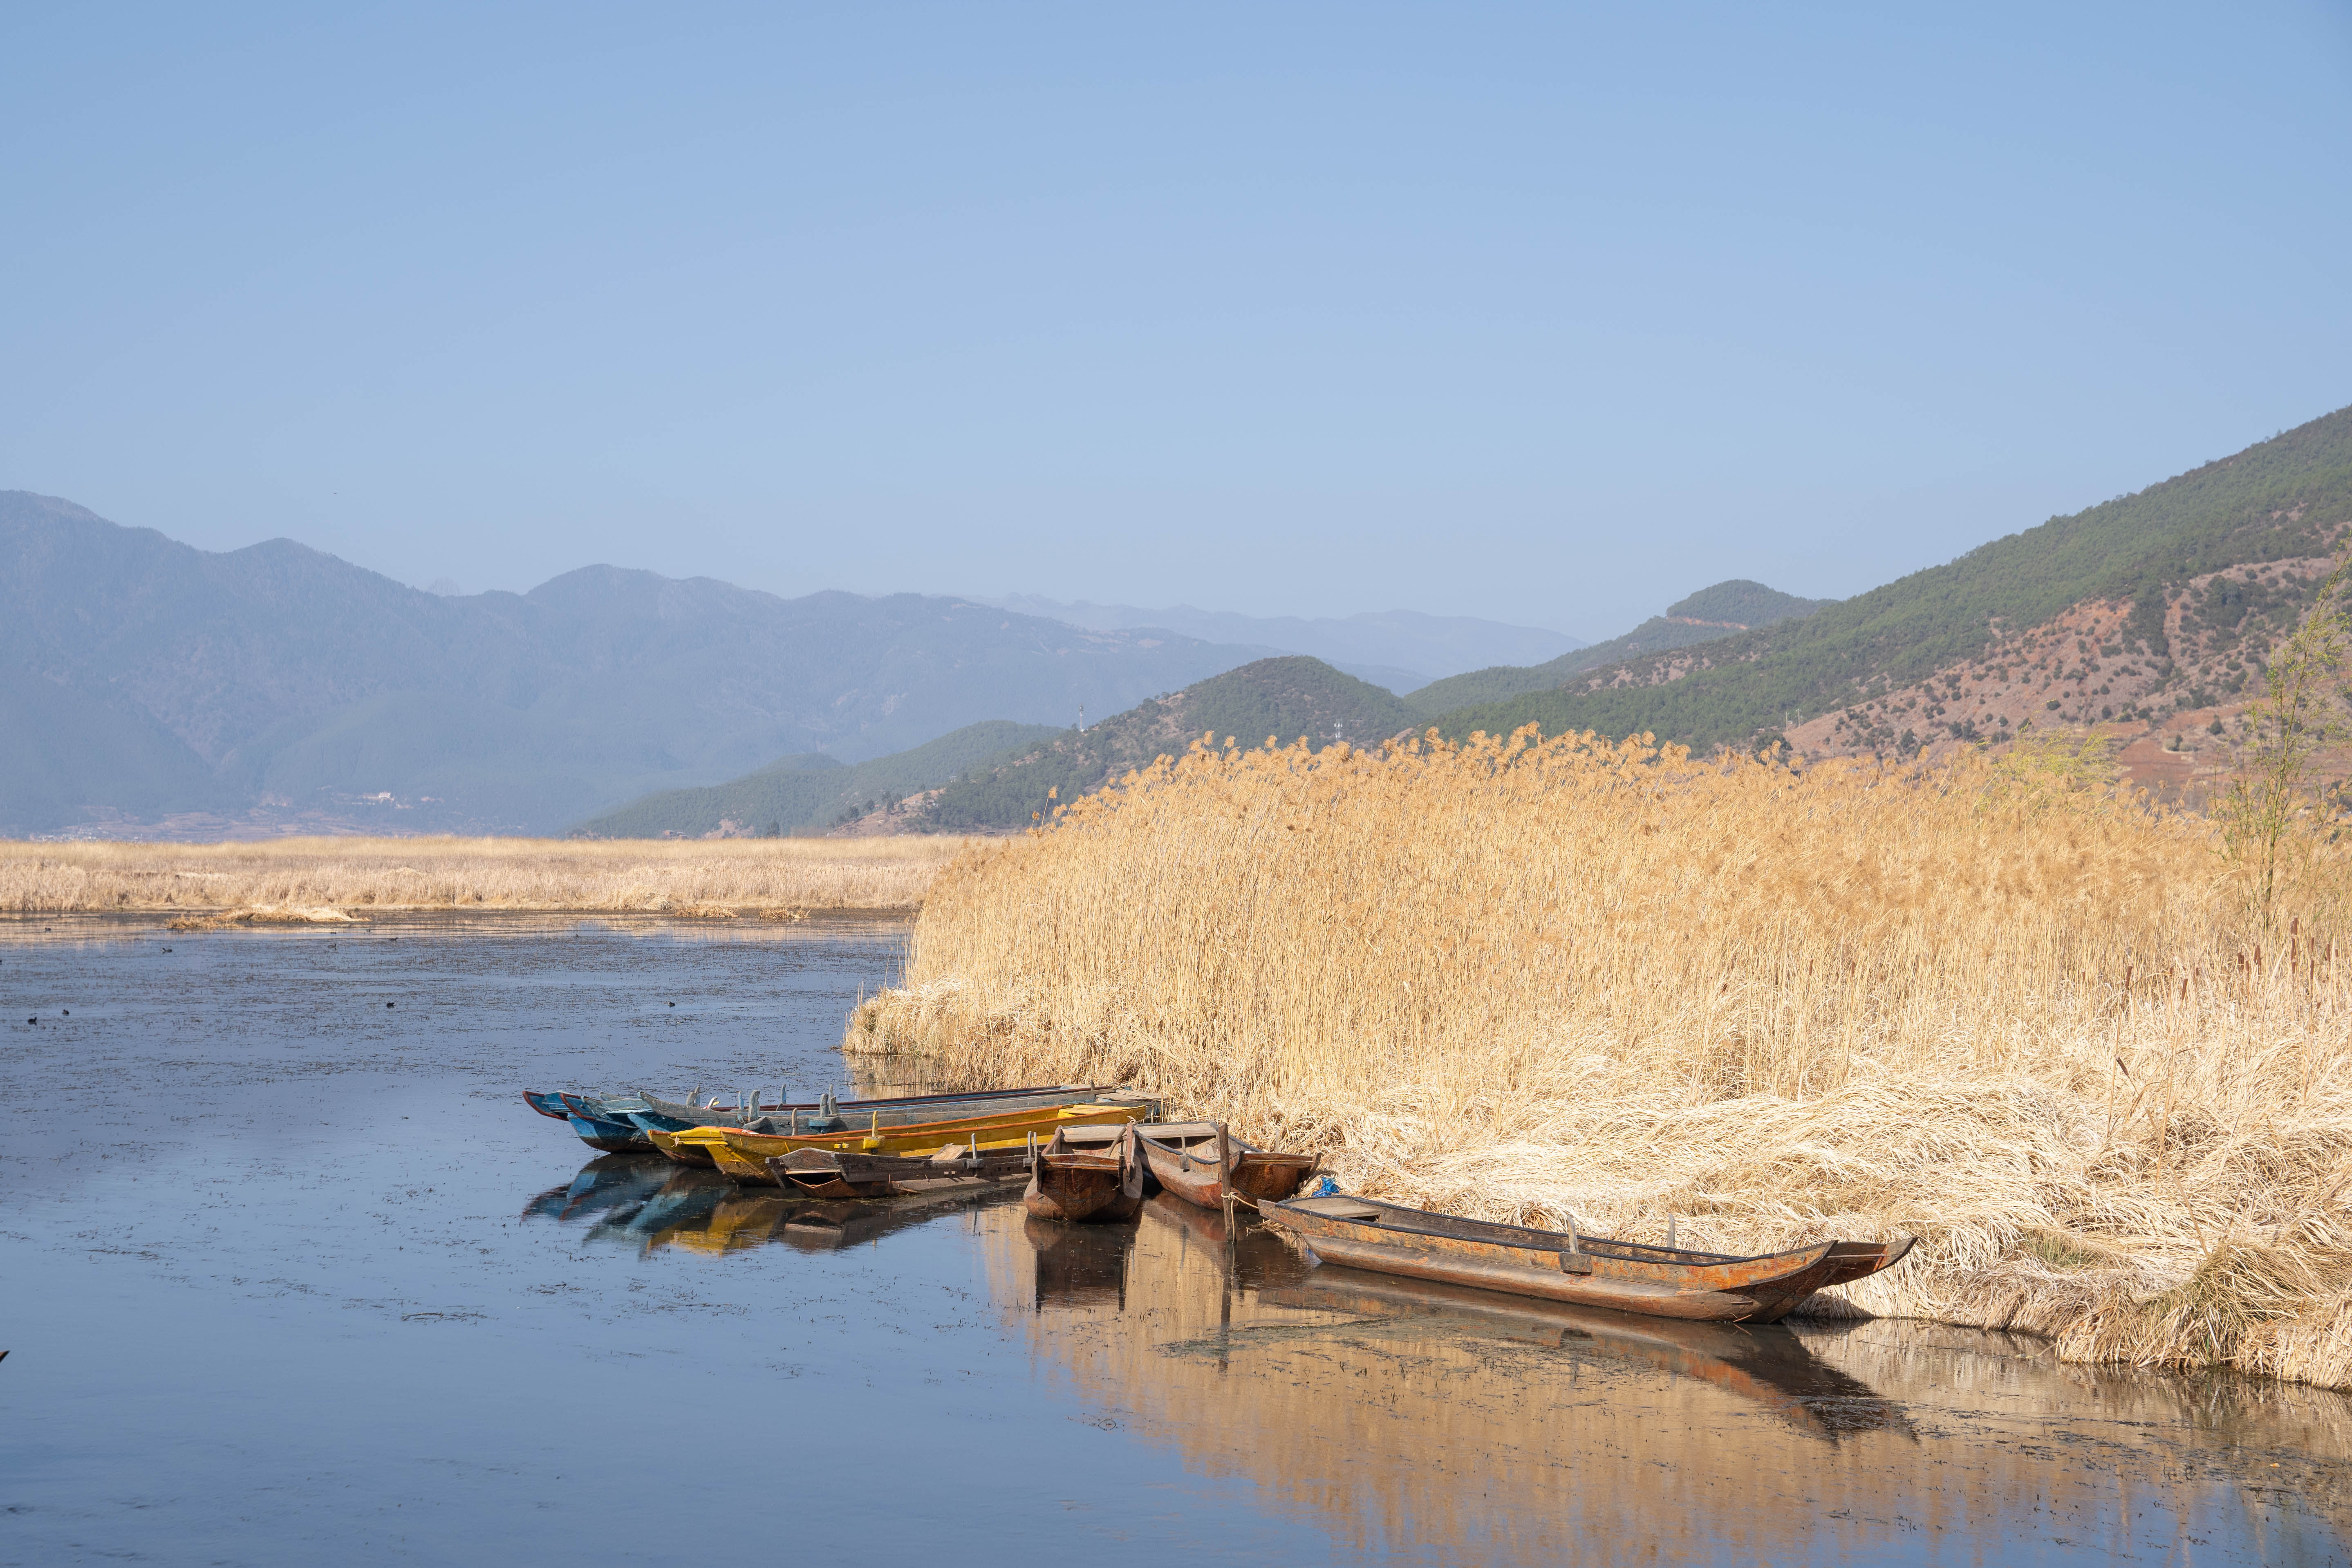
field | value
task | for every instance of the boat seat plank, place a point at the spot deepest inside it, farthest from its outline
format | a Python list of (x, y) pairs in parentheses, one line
[(1339, 1208)]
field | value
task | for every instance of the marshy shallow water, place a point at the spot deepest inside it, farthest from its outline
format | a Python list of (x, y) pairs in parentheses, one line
[(292, 1276)]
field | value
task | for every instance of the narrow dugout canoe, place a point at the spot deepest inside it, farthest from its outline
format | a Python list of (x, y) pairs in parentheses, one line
[(1590, 1270), (744, 1154), (1183, 1158), (1085, 1185), (836, 1173)]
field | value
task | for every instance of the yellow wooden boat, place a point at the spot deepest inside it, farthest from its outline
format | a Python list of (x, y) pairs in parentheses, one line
[(744, 1155)]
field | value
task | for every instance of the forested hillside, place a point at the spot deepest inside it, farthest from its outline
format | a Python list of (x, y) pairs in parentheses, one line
[(1283, 699), (2171, 555), (1722, 611), (811, 790)]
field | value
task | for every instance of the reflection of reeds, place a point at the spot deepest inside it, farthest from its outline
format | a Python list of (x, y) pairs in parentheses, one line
[(1529, 980), (694, 876), (1428, 1424)]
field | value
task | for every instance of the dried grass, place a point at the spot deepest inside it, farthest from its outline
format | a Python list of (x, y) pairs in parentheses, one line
[(289, 879), (2019, 1018)]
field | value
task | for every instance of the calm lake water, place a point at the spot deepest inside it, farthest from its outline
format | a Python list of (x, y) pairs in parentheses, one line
[(292, 1276)]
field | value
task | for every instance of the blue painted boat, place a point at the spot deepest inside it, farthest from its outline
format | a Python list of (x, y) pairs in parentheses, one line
[(598, 1128)]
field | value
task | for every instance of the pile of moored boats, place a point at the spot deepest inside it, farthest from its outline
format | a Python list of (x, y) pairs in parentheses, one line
[(1091, 1154)]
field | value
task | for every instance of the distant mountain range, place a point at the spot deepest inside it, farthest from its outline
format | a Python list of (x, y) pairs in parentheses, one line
[(1399, 650), (278, 686)]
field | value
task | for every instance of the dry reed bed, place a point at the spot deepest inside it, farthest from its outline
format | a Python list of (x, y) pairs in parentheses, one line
[(2031, 1024), (290, 875)]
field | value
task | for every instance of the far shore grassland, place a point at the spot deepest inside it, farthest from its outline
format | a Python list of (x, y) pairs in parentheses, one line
[(293, 879), (2054, 1030)]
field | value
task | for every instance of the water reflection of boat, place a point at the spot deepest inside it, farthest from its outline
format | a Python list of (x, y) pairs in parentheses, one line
[(606, 1182), (1252, 1256), (830, 1225), (1768, 1364), (686, 1198), (1077, 1265), (654, 1202), (1562, 1265)]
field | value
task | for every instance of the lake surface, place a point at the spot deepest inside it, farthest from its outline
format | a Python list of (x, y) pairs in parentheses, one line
[(289, 1276)]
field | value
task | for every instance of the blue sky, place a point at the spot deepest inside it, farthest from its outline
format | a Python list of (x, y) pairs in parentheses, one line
[(1540, 313)]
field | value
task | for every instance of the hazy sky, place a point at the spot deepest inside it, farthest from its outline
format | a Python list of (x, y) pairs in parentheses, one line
[(1539, 313)]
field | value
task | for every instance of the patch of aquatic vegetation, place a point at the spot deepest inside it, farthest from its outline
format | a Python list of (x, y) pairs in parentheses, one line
[(2039, 1023)]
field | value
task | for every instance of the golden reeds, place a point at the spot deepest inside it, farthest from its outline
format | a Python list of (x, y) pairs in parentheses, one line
[(285, 877), (2024, 1019)]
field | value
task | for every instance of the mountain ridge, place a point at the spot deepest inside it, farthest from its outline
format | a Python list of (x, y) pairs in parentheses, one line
[(1727, 608), (280, 679), (2229, 545)]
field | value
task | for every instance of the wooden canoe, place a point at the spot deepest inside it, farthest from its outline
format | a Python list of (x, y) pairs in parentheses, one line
[(744, 1154), (1083, 1185), (1184, 1157), (1561, 1266), (840, 1174), (626, 1124)]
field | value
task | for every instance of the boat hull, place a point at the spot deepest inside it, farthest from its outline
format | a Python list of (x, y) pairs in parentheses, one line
[(1626, 1277), (1086, 1186), (668, 1142), (1183, 1158), (828, 1173), (744, 1155)]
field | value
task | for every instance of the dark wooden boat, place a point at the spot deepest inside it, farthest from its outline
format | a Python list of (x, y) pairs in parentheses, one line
[(1562, 1265), (1082, 1182), (1199, 1162), (842, 1173)]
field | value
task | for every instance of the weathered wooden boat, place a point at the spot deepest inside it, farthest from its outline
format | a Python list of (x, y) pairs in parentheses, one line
[(1199, 1162), (743, 1154), (1086, 1185), (1563, 1265), (843, 1173)]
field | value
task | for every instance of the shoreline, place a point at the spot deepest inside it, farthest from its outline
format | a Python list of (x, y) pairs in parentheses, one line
[(330, 881)]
